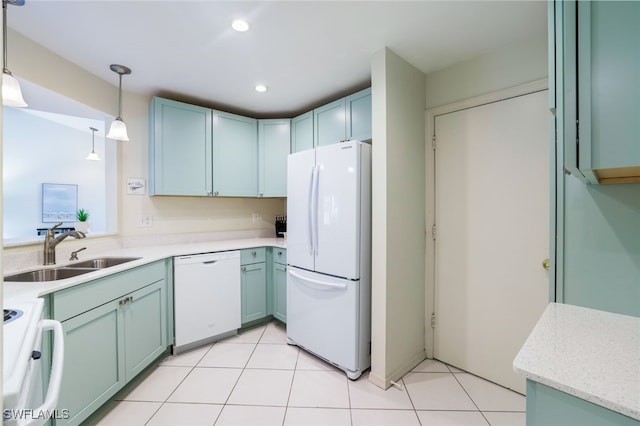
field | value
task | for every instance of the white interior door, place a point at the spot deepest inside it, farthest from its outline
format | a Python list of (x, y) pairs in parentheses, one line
[(492, 221)]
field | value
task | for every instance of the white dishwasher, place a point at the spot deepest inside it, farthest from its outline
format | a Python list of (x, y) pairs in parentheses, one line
[(207, 298)]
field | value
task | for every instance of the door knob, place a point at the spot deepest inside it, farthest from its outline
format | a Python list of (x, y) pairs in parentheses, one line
[(546, 264)]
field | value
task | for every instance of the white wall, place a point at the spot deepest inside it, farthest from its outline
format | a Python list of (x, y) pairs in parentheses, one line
[(40, 149), (36, 64), (398, 217)]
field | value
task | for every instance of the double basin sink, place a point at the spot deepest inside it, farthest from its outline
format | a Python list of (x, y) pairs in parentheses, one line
[(68, 271)]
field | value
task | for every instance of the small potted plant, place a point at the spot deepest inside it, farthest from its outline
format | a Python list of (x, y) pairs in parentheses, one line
[(82, 224)]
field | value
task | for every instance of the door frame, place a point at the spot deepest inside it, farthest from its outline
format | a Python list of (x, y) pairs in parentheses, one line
[(430, 117)]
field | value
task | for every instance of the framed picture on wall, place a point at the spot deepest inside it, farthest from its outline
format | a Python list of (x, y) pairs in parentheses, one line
[(59, 202)]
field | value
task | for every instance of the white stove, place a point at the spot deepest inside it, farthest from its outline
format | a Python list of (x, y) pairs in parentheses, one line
[(22, 369)]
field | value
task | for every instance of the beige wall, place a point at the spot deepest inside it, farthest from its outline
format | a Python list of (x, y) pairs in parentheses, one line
[(488, 73), (35, 63), (398, 217)]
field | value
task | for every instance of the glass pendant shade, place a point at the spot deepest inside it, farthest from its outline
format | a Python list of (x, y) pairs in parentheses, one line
[(93, 156), (11, 93), (118, 130)]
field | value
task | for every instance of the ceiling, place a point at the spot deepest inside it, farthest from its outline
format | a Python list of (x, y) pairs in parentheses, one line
[(306, 52)]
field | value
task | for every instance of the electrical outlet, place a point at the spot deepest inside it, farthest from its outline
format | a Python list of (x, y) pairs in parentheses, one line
[(256, 217), (146, 221)]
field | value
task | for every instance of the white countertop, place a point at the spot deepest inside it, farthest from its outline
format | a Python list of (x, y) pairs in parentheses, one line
[(593, 355), (16, 291)]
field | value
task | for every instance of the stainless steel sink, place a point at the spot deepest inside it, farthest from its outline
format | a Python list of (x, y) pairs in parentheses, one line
[(48, 274), (102, 262)]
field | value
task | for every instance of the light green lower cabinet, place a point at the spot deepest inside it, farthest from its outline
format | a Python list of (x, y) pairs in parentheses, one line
[(550, 407), (93, 364), (114, 328), (144, 328), (264, 285), (280, 292), (253, 281)]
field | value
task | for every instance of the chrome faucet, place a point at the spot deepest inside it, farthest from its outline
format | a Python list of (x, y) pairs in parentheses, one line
[(51, 241)]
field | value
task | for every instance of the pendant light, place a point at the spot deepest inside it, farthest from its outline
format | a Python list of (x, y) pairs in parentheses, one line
[(93, 156), (118, 129), (11, 93)]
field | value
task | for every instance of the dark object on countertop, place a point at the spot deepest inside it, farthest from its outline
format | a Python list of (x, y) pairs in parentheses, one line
[(281, 226), (43, 231)]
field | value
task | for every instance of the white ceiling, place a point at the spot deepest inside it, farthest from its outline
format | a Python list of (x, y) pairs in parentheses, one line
[(306, 52)]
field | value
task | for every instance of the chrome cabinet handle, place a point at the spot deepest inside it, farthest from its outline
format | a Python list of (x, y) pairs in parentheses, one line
[(244, 269), (125, 300)]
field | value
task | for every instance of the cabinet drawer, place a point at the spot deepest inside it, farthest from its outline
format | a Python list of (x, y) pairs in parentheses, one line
[(83, 297), (252, 255), (280, 255)]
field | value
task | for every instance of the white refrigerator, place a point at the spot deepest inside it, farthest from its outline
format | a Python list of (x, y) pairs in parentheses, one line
[(329, 254)]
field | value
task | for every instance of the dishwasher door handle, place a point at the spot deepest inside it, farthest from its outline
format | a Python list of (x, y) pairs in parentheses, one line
[(209, 262)]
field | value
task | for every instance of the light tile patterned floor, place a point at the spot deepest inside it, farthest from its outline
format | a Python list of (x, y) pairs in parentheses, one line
[(257, 379)]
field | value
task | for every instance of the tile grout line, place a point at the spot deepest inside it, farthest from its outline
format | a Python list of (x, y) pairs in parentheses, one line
[(474, 403), (240, 375), (406, 389), (162, 404), (293, 377)]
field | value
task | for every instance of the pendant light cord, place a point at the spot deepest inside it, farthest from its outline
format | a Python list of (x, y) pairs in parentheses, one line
[(119, 95), (4, 36)]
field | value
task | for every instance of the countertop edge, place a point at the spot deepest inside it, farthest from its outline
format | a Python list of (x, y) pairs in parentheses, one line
[(17, 291), (529, 363)]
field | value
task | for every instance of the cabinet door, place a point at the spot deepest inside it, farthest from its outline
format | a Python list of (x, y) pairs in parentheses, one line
[(145, 332), (179, 149), (93, 361), (280, 291), (358, 115), (329, 123), (274, 140), (254, 292), (302, 132), (235, 155), (602, 90)]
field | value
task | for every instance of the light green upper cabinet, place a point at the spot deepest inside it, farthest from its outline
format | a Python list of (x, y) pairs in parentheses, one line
[(198, 151), (348, 118), (601, 75), (179, 149), (329, 123), (302, 132), (235, 155), (274, 140), (358, 115)]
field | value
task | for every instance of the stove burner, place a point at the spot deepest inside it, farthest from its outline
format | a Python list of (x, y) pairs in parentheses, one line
[(10, 315)]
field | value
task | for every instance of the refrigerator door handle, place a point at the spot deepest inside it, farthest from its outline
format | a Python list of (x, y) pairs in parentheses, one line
[(315, 208), (319, 282), (310, 207)]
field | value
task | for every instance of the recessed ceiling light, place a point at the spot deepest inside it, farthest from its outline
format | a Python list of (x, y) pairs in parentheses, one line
[(261, 88), (240, 25)]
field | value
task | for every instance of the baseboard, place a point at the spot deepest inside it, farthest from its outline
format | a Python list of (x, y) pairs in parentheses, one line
[(385, 382)]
